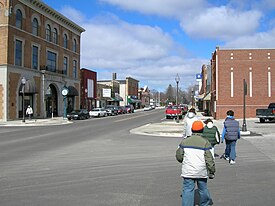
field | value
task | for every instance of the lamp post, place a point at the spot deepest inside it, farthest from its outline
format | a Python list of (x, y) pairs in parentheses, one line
[(86, 98), (244, 129), (23, 82), (177, 81), (43, 92), (192, 96), (65, 92)]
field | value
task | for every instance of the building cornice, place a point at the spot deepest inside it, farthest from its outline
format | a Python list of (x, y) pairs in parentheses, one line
[(52, 14)]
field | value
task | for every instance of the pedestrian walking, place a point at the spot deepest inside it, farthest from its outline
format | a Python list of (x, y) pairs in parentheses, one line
[(188, 120), (230, 133), (212, 134), (197, 165), (29, 111)]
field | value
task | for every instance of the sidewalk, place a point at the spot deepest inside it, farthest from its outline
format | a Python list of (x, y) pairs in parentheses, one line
[(175, 129), (37, 122)]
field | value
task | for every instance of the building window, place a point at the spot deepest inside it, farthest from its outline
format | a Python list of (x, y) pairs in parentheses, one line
[(74, 45), (48, 32), (51, 61), (19, 19), (65, 41), (34, 57), (18, 52), (65, 65), (55, 36), (75, 69), (35, 27)]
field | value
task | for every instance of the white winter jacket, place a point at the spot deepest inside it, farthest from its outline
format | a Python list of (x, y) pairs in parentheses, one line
[(188, 121)]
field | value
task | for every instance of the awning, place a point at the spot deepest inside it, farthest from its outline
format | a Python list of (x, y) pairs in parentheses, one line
[(207, 97), (130, 100), (72, 91), (29, 88), (200, 96), (115, 99)]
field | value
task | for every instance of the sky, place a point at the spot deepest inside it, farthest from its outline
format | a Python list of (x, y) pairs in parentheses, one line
[(154, 40)]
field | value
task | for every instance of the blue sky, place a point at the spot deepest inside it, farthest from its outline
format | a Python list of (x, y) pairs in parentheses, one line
[(153, 40)]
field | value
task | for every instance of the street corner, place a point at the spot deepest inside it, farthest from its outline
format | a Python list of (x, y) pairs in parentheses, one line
[(158, 129)]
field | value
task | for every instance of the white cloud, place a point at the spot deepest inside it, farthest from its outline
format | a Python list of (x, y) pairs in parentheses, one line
[(258, 40), (157, 7), (221, 23), (140, 51), (74, 15)]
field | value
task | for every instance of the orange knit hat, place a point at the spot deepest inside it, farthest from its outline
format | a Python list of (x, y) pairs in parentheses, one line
[(197, 125)]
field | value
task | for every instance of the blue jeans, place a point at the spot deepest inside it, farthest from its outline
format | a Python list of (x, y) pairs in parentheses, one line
[(188, 192), (230, 149)]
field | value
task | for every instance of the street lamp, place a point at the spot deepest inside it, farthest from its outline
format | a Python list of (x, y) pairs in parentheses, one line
[(177, 81), (23, 82), (86, 98), (43, 71), (192, 96)]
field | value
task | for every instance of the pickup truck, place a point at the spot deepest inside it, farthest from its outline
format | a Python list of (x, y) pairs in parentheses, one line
[(266, 114), (173, 111)]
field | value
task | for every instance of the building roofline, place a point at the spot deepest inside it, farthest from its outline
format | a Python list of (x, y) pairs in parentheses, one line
[(231, 48), (37, 4)]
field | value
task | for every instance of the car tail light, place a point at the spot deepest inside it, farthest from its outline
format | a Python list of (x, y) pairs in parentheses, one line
[(273, 111)]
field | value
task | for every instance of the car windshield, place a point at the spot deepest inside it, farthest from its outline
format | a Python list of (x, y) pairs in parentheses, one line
[(96, 110)]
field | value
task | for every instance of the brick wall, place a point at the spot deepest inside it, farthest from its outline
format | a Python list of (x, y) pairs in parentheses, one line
[(253, 65)]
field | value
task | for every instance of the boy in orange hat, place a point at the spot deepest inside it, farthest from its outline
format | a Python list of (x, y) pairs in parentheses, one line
[(197, 165)]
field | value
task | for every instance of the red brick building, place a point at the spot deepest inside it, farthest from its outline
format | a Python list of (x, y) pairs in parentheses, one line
[(88, 81), (229, 68)]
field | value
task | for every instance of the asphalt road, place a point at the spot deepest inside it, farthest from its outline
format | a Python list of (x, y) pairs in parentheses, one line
[(98, 162)]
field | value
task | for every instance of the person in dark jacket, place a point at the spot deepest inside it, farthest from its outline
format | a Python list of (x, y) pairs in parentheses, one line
[(230, 133), (212, 134)]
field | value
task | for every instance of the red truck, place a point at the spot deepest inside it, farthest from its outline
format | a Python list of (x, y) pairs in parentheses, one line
[(173, 111)]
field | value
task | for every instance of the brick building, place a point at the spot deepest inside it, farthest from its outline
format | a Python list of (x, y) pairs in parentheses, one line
[(42, 47), (229, 68), (88, 88)]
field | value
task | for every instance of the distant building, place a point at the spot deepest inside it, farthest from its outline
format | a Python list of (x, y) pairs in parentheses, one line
[(39, 55), (88, 88), (144, 96), (129, 92), (229, 68)]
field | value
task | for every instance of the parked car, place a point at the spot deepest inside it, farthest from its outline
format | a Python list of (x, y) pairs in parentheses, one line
[(98, 112), (130, 108), (111, 110), (147, 108), (78, 114), (173, 112), (121, 110), (266, 114)]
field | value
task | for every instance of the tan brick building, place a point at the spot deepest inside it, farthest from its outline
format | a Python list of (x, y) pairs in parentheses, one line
[(42, 46), (229, 67)]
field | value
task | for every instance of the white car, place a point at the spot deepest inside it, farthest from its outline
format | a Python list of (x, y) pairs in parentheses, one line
[(147, 108), (98, 112)]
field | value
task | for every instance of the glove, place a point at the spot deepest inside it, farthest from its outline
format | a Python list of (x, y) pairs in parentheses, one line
[(211, 176)]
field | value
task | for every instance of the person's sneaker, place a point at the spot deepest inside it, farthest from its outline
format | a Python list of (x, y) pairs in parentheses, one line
[(232, 162), (226, 158)]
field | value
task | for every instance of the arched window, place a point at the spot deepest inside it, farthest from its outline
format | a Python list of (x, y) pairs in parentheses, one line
[(74, 45), (55, 36), (35, 27), (65, 41), (48, 32), (19, 19)]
